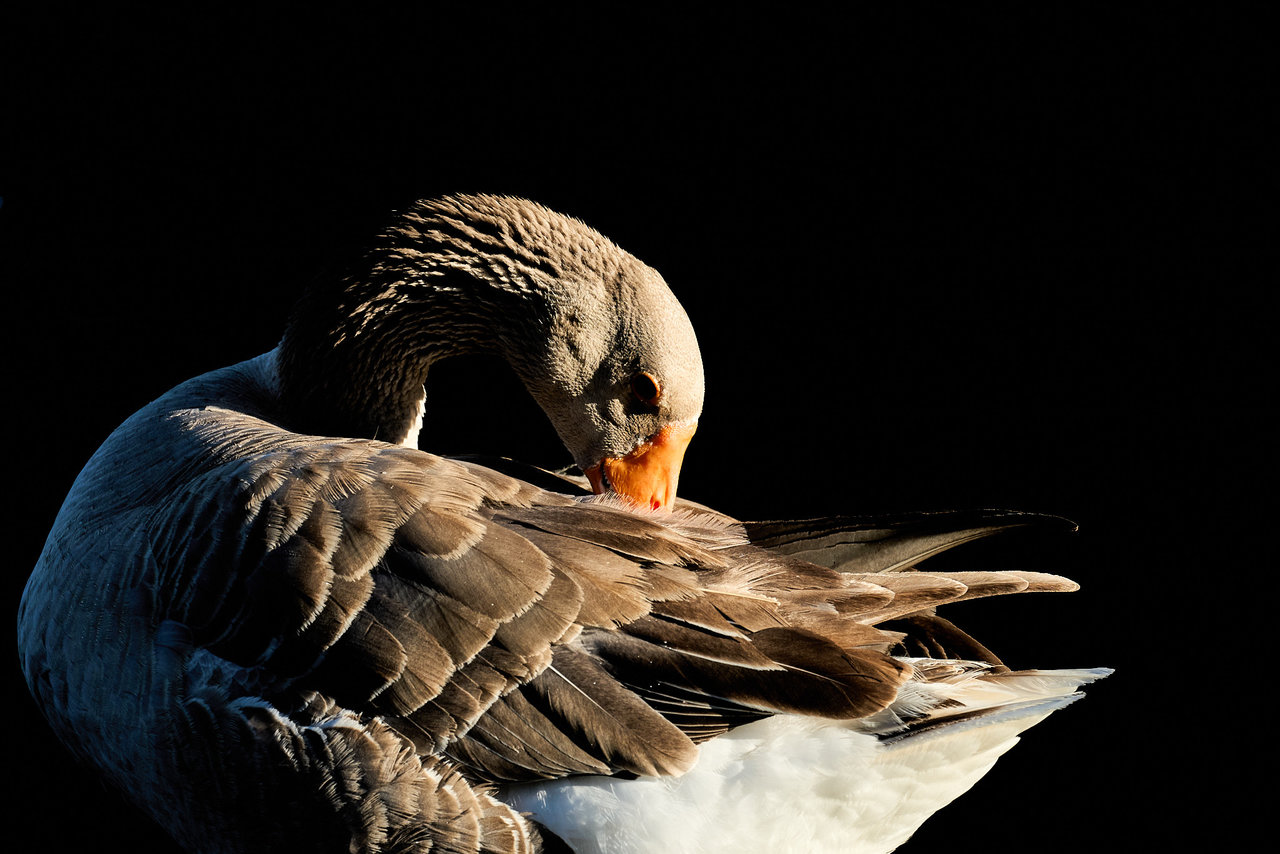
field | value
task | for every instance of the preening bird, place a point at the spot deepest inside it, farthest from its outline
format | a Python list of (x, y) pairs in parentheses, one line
[(275, 624)]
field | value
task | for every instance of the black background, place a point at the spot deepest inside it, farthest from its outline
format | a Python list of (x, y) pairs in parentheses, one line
[(937, 260)]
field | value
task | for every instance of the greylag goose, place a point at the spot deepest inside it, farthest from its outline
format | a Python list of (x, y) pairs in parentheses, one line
[(276, 625)]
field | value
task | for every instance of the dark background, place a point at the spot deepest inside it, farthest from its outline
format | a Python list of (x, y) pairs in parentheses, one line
[(935, 261)]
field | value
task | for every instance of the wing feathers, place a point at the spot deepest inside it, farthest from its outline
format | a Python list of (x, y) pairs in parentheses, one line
[(529, 634), (515, 741), (620, 530), (888, 544), (805, 674), (499, 575), (612, 588), (613, 722)]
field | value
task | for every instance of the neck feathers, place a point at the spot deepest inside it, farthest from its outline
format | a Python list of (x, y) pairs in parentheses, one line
[(448, 277)]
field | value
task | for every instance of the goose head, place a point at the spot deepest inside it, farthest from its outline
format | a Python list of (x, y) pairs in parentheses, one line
[(596, 336)]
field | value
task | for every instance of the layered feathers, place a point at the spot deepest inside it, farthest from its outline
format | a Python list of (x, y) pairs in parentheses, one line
[(274, 639)]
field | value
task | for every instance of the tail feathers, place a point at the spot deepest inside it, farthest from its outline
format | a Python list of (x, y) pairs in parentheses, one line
[(950, 693)]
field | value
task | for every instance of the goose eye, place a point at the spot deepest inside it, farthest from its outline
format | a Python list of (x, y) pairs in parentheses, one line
[(646, 389)]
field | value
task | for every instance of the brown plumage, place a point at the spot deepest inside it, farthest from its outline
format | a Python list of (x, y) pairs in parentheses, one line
[(277, 625)]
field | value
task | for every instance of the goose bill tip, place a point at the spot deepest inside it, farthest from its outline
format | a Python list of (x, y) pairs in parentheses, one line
[(649, 475)]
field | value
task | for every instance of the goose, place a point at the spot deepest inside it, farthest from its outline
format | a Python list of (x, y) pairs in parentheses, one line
[(275, 624)]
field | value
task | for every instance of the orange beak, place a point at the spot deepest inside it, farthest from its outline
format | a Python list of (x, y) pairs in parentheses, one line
[(649, 474)]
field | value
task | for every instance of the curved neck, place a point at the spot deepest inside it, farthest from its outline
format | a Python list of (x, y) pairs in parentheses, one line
[(354, 362), (451, 277)]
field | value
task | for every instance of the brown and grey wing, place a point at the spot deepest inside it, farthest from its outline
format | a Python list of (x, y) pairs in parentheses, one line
[(523, 632), (309, 600), (519, 631), (370, 573), (703, 648), (423, 591)]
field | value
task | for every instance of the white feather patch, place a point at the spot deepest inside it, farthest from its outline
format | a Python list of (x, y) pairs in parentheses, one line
[(795, 784)]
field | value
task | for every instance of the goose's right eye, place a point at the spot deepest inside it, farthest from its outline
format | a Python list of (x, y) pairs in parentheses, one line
[(646, 388)]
